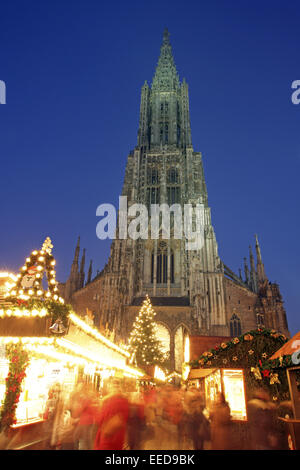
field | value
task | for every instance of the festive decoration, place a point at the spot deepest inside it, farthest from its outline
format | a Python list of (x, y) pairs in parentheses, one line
[(274, 379), (144, 346), (259, 371), (28, 298), (18, 361), (256, 373), (57, 327), (37, 308), (29, 283)]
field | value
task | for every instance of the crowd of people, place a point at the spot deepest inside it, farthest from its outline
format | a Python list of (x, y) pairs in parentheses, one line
[(157, 418)]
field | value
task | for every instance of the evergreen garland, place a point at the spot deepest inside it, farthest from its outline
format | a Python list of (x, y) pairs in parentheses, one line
[(18, 361), (54, 309), (251, 352)]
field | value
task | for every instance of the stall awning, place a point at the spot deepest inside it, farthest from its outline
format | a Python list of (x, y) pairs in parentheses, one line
[(200, 373), (288, 348)]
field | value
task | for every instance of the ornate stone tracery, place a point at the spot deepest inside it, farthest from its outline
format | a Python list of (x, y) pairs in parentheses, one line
[(198, 290)]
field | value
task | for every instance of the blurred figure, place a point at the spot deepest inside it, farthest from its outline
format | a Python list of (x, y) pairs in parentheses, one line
[(112, 420), (136, 425), (50, 412), (262, 418), (63, 425), (220, 419), (194, 428), (84, 406), (169, 424)]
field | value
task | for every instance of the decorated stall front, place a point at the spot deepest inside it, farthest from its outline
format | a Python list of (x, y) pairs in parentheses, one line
[(43, 343), (288, 357), (237, 368)]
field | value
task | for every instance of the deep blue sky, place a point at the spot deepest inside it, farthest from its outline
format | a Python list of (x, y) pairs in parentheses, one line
[(73, 71)]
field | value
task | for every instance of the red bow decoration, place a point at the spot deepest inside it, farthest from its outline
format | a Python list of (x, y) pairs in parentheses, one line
[(21, 302)]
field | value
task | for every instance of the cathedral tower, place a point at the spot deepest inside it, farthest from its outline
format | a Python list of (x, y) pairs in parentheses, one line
[(192, 291)]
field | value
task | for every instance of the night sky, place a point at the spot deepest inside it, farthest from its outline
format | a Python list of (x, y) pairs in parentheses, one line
[(73, 72)]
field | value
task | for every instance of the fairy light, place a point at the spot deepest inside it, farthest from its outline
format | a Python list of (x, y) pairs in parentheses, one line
[(16, 312), (40, 340), (159, 374), (10, 275), (51, 352), (95, 333), (187, 349)]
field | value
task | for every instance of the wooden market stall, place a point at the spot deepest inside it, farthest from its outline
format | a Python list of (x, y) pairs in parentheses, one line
[(290, 354), (44, 343), (230, 382), (237, 367)]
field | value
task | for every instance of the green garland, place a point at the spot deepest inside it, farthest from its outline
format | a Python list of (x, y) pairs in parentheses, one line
[(55, 309), (252, 351), (18, 361)]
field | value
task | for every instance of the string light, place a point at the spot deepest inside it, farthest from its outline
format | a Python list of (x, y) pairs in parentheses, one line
[(95, 333), (17, 312)]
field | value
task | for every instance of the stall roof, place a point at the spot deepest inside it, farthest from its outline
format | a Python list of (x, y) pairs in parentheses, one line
[(288, 348), (201, 344), (199, 373)]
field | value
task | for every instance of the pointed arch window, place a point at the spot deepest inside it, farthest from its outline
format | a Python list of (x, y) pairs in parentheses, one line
[(152, 176), (260, 320), (162, 265), (173, 176), (235, 326), (152, 196)]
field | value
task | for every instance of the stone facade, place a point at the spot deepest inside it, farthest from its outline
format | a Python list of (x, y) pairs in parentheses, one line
[(191, 290)]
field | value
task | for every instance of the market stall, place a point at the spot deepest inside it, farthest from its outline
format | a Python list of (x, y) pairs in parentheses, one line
[(43, 343), (289, 354), (230, 382), (237, 367)]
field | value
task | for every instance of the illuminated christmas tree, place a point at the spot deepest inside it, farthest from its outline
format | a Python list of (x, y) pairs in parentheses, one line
[(144, 346)]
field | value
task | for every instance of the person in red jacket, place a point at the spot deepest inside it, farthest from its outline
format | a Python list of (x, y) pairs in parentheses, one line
[(84, 408), (112, 421)]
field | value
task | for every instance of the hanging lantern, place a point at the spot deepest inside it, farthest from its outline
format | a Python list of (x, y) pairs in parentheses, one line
[(58, 327)]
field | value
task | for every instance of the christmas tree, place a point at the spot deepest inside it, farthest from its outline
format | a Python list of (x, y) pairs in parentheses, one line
[(144, 345)]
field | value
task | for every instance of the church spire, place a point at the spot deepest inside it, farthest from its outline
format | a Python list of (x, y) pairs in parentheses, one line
[(246, 271), (81, 274), (260, 266), (165, 77), (72, 283), (252, 271), (89, 278), (164, 109), (77, 250)]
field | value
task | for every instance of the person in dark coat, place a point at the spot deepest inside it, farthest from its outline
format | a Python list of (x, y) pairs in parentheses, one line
[(262, 419), (221, 429), (194, 427)]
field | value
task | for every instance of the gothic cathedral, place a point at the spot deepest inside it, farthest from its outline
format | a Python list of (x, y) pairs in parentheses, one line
[(192, 291)]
